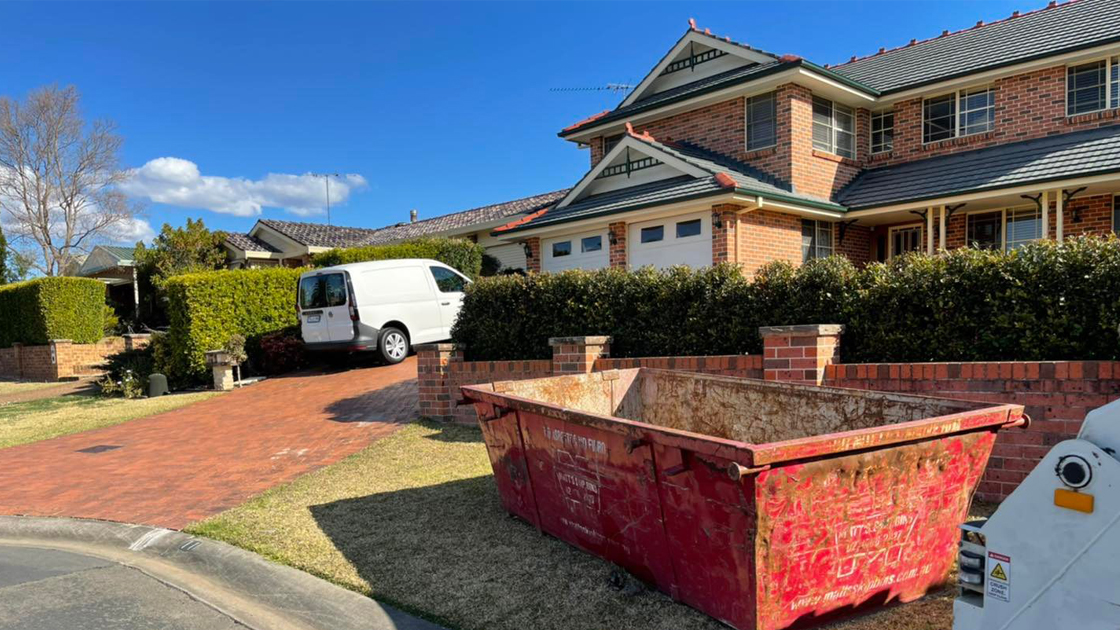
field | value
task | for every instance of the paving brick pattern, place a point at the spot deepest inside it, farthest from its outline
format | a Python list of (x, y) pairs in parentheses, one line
[(184, 465)]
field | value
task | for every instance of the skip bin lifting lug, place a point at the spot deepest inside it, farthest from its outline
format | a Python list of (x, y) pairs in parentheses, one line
[(737, 471)]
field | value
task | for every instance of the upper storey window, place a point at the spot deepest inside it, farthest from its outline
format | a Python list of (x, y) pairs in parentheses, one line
[(761, 121), (610, 142), (882, 131), (1093, 86), (962, 113), (834, 127)]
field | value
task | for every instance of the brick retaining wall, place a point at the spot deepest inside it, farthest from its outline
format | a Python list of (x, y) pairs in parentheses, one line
[(62, 359)]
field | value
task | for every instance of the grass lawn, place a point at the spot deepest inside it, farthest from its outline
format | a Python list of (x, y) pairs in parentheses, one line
[(8, 388), (414, 521), (21, 423)]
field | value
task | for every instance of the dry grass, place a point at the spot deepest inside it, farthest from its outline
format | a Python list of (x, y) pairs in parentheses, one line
[(414, 521), (22, 423), (8, 388)]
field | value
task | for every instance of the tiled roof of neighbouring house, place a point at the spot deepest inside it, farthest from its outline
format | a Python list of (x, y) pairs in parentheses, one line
[(1048, 31), (320, 234), (466, 218), (248, 243), (1080, 153)]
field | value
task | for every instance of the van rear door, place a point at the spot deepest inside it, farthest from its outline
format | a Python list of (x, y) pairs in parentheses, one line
[(324, 315)]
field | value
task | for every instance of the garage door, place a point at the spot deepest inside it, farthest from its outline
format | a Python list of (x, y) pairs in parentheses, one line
[(680, 240), (577, 251), (511, 256)]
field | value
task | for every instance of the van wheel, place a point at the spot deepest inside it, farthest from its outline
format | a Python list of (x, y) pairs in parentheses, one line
[(393, 345)]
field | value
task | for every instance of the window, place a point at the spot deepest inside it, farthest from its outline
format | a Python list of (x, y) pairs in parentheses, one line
[(448, 281), (977, 114), (761, 121), (322, 291), (653, 234), (688, 228), (833, 128), (816, 239), (882, 131), (906, 239), (562, 248), (1093, 86), (985, 230), (591, 244), (610, 142), (1023, 226), (1116, 214)]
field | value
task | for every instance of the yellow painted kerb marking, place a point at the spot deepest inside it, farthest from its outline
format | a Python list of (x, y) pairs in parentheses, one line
[(1073, 500)]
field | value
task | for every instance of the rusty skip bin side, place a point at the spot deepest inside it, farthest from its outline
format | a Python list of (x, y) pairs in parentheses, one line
[(765, 505)]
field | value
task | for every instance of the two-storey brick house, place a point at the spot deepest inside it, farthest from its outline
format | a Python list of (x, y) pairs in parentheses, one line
[(992, 136)]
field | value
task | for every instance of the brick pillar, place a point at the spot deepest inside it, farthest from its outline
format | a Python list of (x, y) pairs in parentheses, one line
[(724, 233), (533, 260), (576, 355), (63, 360), (433, 374), (799, 354), (617, 238)]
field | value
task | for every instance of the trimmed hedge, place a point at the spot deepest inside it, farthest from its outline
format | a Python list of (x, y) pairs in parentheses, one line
[(36, 311), (1042, 302), (206, 308), (457, 253)]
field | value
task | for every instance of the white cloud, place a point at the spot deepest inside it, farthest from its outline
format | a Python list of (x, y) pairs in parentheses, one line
[(132, 230), (178, 182)]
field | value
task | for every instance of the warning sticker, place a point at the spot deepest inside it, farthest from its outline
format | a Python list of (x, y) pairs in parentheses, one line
[(999, 577)]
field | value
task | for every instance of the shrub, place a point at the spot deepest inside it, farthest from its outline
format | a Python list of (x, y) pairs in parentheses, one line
[(282, 351), (207, 309), (36, 311), (1043, 302), (456, 253), (126, 373)]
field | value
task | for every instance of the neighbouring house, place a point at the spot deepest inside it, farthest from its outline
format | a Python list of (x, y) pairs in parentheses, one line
[(116, 268), (291, 243), (993, 136)]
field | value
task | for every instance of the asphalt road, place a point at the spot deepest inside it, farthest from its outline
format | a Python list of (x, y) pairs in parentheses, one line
[(47, 589)]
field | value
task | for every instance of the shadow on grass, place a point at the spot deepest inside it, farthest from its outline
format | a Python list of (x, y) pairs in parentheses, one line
[(453, 433)]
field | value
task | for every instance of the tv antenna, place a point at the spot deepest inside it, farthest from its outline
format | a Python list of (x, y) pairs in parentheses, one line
[(327, 179)]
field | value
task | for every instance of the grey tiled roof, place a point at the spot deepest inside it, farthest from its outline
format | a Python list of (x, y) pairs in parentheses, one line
[(245, 242), (1041, 33), (466, 218), (1094, 151), (320, 234), (746, 178)]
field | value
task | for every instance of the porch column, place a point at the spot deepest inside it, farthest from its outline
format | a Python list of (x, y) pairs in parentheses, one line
[(942, 230), (929, 230), (135, 296), (1045, 202), (1059, 203)]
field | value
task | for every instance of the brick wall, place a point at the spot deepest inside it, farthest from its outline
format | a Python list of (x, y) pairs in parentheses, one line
[(61, 359), (1056, 395), (533, 260), (766, 236), (618, 256)]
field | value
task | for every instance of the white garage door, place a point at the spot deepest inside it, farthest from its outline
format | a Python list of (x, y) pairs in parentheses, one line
[(588, 250), (511, 256), (680, 240)]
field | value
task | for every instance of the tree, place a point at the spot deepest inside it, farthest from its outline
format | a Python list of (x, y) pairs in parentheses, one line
[(58, 178), (180, 250), (13, 266)]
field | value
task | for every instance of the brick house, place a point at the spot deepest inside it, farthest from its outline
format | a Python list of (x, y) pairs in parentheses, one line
[(291, 243), (992, 136)]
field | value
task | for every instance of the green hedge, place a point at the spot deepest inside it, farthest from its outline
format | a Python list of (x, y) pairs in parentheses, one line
[(1043, 302), (206, 308), (36, 311), (457, 253)]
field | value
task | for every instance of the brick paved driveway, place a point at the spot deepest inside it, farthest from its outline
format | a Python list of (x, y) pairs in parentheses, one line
[(177, 467)]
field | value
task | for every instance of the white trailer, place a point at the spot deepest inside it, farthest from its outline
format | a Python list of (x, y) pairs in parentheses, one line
[(1049, 558)]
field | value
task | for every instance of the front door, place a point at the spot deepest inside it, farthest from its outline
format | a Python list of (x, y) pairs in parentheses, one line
[(323, 308), (449, 296)]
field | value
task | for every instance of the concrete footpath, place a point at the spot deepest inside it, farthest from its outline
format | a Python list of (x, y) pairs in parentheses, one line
[(79, 574)]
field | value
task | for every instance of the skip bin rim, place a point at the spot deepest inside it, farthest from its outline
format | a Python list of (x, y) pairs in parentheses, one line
[(973, 416)]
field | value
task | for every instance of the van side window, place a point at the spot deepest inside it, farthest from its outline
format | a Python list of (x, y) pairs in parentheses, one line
[(448, 281), (322, 291)]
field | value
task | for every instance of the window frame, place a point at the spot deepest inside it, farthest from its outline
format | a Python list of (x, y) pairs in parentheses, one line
[(583, 242), (815, 248), (561, 255), (642, 234), (905, 226), (677, 228), (1111, 84), (1002, 212), (617, 138), (773, 95), (958, 112), (871, 131), (1017, 209), (834, 128)]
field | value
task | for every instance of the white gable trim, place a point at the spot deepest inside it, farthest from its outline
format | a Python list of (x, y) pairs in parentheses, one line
[(697, 37), (629, 142)]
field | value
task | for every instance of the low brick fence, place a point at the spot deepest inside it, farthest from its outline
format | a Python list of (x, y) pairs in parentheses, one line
[(1055, 394), (62, 359)]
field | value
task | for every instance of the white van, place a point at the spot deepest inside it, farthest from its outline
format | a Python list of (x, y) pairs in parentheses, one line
[(385, 305)]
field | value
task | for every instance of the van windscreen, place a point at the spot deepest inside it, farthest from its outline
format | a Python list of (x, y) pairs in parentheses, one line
[(322, 291)]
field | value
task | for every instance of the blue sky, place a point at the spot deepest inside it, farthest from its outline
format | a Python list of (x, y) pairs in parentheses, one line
[(433, 106)]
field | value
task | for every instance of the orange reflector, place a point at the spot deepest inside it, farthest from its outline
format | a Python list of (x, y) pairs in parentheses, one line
[(1073, 500)]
